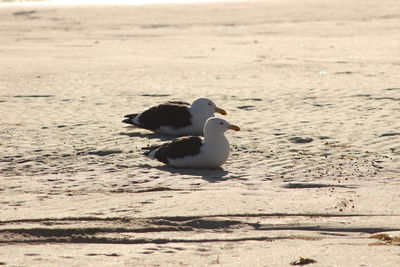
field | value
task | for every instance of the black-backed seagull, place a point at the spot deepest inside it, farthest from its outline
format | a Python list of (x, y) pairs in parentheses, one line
[(175, 117), (195, 152)]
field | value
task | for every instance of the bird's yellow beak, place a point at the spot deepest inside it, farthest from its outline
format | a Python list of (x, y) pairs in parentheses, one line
[(220, 111), (234, 127)]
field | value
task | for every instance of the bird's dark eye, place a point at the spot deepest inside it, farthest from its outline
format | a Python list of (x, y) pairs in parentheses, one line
[(209, 104), (221, 123)]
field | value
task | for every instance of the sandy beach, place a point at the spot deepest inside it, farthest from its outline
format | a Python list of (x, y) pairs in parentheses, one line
[(314, 173)]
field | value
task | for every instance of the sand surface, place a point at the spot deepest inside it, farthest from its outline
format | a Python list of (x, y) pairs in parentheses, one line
[(314, 85)]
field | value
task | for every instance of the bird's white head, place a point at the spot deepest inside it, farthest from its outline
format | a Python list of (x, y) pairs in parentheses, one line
[(205, 104), (218, 126)]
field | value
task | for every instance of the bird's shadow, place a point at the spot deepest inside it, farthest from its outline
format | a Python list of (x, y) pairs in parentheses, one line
[(149, 136), (209, 175)]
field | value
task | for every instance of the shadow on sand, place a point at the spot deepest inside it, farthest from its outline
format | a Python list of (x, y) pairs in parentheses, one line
[(149, 136), (210, 175)]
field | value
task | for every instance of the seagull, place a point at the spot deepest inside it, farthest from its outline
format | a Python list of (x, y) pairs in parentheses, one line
[(176, 117), (195, 152)]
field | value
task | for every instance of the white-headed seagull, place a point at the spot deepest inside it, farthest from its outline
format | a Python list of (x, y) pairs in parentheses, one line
[(175, 117), (195, 152)]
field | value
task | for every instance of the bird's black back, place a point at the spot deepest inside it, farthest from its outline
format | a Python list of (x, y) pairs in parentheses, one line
[(179, 148), (174, 115)]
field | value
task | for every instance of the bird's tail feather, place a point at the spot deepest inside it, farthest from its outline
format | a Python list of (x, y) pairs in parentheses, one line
[(131, 116), (129, 119), (150, 151)]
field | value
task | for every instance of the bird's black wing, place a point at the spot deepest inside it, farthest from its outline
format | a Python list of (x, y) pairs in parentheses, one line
[(179, 148), (165, 115)]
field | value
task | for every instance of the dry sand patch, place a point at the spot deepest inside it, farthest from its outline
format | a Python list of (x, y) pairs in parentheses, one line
[(314, 173)]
